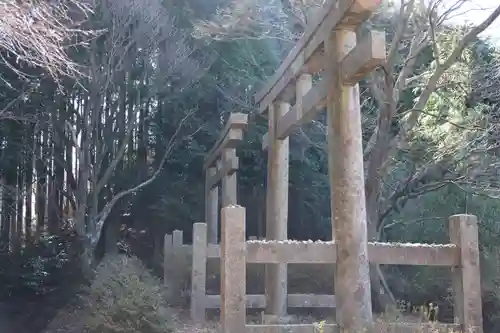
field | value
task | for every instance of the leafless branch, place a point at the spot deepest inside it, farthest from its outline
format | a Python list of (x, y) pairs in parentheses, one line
[(37, 33), (101, 218)]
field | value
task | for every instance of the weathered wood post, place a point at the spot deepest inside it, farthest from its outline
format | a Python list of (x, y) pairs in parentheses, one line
[(277, 210), (199, 272), (230, 180), (176, 257), (345, 160), (177, 239), (466, 277), (211, 206), (233, 270), (167, 252)]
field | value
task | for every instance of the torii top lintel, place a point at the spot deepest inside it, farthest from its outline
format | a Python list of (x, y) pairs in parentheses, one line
[(334, 15)]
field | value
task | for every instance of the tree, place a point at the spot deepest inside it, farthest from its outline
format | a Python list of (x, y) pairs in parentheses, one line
[(37, 34), (114, 112), (426, 26)]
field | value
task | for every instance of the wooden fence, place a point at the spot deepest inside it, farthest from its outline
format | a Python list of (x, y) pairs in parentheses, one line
[(461, 255), (200, 301)]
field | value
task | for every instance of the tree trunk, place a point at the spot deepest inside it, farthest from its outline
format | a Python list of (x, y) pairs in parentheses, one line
[(111, 235), (59, 168), (17, 234), (5, 214), (29, 166), (40, 185)]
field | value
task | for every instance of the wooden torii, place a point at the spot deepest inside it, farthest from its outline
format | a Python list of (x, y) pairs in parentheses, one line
[(328, 45), (220, 166)]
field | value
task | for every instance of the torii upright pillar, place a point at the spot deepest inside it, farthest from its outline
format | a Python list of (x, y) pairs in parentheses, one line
[(276, 212), (345, 168)]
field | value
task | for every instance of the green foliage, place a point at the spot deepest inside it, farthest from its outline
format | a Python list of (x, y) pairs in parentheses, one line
[(41, 269), (125, 298)]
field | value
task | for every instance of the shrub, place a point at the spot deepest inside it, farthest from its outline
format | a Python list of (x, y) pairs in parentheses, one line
[(125, 298), (39, 279), (43, 268)]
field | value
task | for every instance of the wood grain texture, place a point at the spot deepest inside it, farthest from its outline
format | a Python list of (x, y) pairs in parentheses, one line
[(229, 179), (345, 169), (199, 272), (335, 14), (376, 328), (212, 204), (277, 210), (293, 301), (362, 60), (230, 137), (233, 269), (466, 275)]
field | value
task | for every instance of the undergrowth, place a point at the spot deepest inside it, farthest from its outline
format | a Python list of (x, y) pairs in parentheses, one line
[(125, 298)]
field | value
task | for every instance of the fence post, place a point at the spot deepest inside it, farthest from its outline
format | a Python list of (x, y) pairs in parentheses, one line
[(466, 277), (177, 239), (167, 251), (199, 272), (230, 180), (233, 269), (212, 207)]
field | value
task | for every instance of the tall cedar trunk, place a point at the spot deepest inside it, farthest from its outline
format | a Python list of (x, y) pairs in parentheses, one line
[(28, 183), (40, 184), (9, 203), (52, 215), (97, 127), (130, 113), (17, 234), (10, 207), (59, 168), (5, 214), (70, 180), (82, 189), (110, 236), (4, 231), (93, 141), (142, 135)]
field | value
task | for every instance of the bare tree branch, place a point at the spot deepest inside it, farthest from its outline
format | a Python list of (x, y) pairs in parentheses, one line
[(101, 218), (38, 32)]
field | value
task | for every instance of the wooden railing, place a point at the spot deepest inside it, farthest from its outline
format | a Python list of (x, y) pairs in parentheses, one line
[(200, 301), (461, 255)]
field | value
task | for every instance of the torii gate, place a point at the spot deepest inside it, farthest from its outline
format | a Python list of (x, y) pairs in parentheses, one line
[(329, 44)]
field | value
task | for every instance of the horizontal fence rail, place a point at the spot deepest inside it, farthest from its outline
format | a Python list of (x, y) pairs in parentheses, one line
[(318, 252), (377, 328), (293, 300)]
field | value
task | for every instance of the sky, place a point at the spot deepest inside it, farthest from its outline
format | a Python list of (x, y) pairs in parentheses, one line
[(476, 11)]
